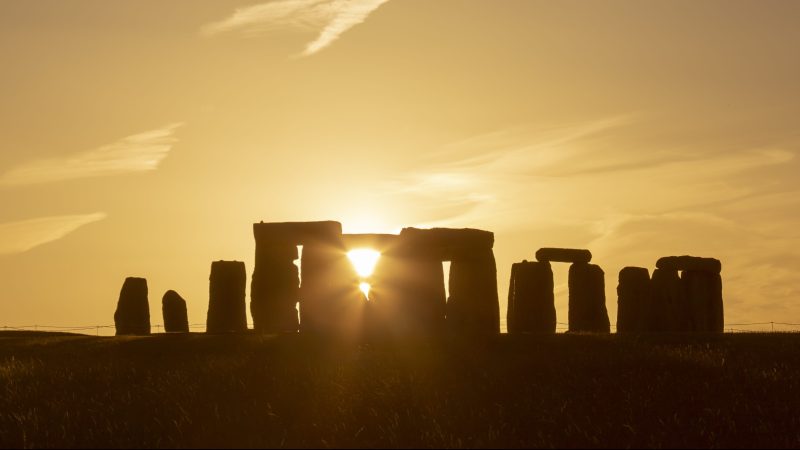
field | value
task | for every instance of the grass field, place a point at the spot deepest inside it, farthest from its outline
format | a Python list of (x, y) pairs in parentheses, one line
[(734, 390)]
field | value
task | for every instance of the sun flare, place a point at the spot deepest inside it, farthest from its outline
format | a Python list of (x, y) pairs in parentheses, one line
[(365, 287), (364, 260)]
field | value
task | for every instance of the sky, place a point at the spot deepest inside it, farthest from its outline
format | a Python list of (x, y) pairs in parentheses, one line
[(144, 137)]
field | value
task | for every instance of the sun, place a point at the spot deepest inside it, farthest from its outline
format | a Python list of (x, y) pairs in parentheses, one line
[(364, 260), (365, 287)]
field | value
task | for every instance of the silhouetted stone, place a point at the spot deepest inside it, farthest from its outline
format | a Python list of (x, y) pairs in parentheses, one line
[(377, 242), (669, 308), (703, 292), (531, 304), (227, 310), (297, 233), (689, 263), (173, 308), (473, 306), (132, 316), (568, 255), (275, 289), (633, 300), (587, 299), (445, 244), (408, 295), (330, 301)]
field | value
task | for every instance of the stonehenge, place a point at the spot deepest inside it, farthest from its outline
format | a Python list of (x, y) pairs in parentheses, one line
[(531, 303), (407, 294), (587, 299), (173, 308), (633, 300), (227, 310), (132, 316)]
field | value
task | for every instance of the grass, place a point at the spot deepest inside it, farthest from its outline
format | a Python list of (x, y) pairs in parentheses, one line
[(733, 390)]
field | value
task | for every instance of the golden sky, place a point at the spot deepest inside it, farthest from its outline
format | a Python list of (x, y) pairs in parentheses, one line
[(144, 137)]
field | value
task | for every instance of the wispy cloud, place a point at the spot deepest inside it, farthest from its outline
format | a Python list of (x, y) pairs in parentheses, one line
[(500, 178), (629, 195), (137, 153), (329, 18), (21, 236)]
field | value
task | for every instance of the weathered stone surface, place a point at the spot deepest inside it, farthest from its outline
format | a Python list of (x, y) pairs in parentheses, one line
[(275, 289), (587, 299), (227, 309), (297, 233), (568, 255), (377, 242), (173, 308), (633, 300), (689, 263), (444, 244), (408, 295), (669, 310), (703, 292), (132, 316), (473, 306), (531, 303), (330, 301)]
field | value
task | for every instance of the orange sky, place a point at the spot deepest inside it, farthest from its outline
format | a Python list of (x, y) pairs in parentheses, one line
[(143, 138)]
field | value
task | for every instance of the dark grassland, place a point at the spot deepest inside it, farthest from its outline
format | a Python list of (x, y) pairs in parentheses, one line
[(739, 390)]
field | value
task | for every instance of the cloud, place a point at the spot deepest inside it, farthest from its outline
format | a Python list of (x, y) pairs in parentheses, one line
[(629, 194), (21, 236), (329, 18), (495, 179), (521, 176), (137, 153)]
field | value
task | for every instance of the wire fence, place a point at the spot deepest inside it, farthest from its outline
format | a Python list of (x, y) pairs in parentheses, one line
[(110, 330), (97, 330)]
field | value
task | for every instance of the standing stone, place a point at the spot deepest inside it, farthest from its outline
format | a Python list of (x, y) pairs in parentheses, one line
[(703, 291), (633, 300), (227, 308), (173, 308), (275, 289), (387, 294), (587, 299), (473, 306), (531, 303), (330, 301), (569, 255), (132, 316), (669, 308), (408, 294)]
